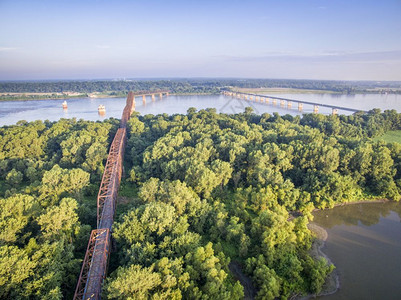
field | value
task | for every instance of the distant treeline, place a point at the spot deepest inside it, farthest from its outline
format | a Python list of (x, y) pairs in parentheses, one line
[(196, 86), (11, 97)]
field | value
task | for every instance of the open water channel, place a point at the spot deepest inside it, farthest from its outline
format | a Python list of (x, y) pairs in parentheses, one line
[(364, 240), (86, 108)]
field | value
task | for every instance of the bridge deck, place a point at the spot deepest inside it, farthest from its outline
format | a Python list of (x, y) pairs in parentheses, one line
[(303, 102)]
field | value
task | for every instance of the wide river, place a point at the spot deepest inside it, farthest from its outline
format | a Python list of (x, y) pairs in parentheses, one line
[(86, 108), (364, 242)]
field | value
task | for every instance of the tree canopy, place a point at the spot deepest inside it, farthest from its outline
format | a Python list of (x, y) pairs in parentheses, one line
[(201, 192)]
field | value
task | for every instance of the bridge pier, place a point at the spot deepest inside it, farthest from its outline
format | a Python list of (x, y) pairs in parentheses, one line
[(300, 106), (144, 99), (284, 102), (161, 95), (153, 97)]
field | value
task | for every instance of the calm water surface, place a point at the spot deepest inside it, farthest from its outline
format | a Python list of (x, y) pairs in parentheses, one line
[(86, 108), (364, 242)]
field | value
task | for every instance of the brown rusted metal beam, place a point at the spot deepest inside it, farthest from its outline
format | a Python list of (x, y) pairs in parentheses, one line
[(94, 267), (102, 235)]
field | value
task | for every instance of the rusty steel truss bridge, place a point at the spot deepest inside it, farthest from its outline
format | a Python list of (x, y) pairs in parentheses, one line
[(94, 266)]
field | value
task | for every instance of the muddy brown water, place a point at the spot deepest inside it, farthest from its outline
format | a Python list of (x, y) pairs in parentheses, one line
[(364, 242)]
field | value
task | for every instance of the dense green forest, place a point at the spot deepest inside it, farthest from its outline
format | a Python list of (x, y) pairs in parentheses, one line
[(202, 192), (195, 86), (49, 177)]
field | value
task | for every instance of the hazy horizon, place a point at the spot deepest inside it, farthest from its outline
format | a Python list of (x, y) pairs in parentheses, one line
[(98, 39), (187, 78)]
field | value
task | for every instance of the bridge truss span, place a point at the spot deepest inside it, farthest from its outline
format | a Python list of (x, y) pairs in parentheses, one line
[(94, 267)]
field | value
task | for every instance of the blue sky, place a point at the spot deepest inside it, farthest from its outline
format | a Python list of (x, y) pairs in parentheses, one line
[(311, 39)]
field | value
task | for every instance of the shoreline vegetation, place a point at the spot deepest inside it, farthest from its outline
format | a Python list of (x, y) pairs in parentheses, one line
[(332, 282), (68, 95), (287, 91), (36, 90), (26, 96)]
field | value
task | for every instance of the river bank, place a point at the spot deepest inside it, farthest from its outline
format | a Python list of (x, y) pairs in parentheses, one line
[(70, 95), (284, 91), (332, 283), (314, 91)]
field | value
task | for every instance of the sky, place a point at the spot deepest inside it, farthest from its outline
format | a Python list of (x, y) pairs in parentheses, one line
[(298, 39)]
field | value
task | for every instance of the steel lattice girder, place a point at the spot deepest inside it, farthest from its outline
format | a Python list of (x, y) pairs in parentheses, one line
[(99, 243), (94, 267)]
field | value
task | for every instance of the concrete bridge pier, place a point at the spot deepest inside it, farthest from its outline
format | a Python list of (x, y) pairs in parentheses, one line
[(267, 100), (161, 95), (289, 104), (315, 109), (300, 106), (282, 103), (144, 99), (153, 97), (274, 102), (334, 111)]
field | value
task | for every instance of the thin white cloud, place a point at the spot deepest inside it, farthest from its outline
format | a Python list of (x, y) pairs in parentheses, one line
[(8, 48)]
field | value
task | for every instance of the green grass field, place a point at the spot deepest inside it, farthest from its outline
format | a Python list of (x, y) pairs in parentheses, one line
[(390, 136)]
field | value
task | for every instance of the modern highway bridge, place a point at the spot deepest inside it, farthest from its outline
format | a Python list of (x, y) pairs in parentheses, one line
[(284, 102), (94, 267)]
